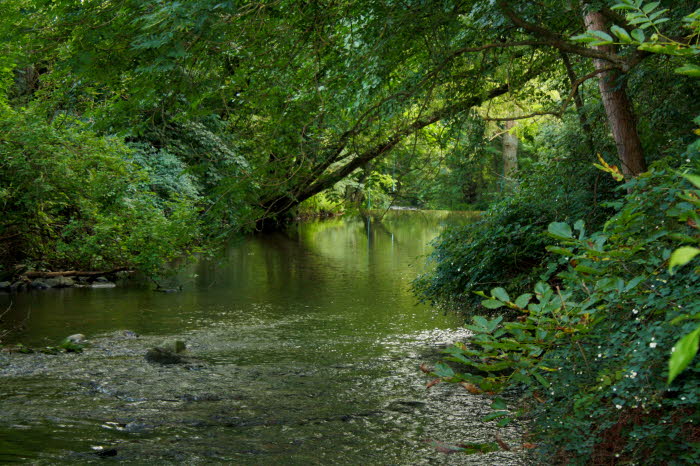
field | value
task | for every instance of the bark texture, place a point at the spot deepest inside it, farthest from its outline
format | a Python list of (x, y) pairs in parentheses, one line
[(618, 107)]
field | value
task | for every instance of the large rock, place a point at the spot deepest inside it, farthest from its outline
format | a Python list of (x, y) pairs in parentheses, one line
[(102, 285), (39, 284), (60, 282), (5, 286)]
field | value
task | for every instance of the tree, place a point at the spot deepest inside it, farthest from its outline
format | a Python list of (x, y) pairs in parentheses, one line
[(617, 105)]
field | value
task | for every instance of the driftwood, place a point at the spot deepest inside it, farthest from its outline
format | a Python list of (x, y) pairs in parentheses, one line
[(75, 273)]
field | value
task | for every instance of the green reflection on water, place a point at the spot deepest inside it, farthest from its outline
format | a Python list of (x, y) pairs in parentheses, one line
[(306, 346), (355, 269)]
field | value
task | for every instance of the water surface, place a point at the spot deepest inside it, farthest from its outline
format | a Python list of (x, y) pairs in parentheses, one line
[(305, 349)]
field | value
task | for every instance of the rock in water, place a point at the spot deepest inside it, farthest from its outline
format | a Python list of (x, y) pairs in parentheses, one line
[(76, 339), (163, 356), (39, 284)]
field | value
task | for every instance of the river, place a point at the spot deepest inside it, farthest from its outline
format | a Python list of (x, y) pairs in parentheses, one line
[(304, 347)]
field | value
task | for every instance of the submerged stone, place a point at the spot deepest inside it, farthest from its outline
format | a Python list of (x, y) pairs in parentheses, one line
[(163, 356)]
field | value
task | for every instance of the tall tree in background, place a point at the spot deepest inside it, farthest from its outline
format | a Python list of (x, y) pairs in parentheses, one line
[(510, 153)]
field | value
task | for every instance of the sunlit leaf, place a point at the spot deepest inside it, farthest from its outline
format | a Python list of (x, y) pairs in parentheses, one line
[(684, 351), (621, 34), (682, 256), (695, 179), (689, 70)]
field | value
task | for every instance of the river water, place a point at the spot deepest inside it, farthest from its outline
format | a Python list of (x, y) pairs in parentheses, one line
[(304, 348)]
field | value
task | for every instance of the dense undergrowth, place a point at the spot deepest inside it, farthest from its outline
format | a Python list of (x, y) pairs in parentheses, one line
[(72, 199), (590, 342)]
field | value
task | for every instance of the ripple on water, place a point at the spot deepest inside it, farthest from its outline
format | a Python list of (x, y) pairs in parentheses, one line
[(284, 405)]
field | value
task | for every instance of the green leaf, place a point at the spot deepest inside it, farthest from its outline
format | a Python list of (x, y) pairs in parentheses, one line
[(583, 38), (587, 269), (657, 14), (496, 415), (559, 230), (558, 250), (689, 70), (541, 380), (542, 288), (649, 7), (481, 322), (622, 7), (492, 303), (638, 35), (505, 421), (523, 300), (443, 370), (621, 34), (498, 404), (695, 179), (682, 256), (602, 35), (683, 353), (501, 294)]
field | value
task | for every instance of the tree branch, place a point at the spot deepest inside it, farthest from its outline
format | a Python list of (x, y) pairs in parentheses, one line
[(561, 43), (558, 113)]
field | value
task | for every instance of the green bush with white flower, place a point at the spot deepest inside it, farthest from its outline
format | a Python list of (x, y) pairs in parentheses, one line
[(591, 346)]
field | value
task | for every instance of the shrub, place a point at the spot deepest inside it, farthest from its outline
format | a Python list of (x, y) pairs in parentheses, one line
[(592, 351), (507, 245), (73, 200)]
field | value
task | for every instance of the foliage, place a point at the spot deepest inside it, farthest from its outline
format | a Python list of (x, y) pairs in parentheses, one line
[(319, 205), (167, 174), (592, 349), (506, 246), (74, 200)]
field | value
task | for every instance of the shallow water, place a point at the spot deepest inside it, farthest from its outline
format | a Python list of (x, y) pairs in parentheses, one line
[(304, 349)]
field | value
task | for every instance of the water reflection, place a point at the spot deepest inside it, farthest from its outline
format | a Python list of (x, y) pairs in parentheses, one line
[(306, 342)]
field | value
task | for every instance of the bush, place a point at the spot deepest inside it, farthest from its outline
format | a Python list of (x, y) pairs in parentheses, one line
[(507, 245), (592, 351), (73, 200)]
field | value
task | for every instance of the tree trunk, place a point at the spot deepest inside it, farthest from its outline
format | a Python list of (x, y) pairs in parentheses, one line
[(618, 107), (510, 154), (578, 101)]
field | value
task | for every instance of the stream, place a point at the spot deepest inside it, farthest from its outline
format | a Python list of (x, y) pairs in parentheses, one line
[(304, 348)]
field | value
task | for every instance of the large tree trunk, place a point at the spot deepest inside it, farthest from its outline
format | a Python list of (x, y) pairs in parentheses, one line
[(618, 107), (510, 154)]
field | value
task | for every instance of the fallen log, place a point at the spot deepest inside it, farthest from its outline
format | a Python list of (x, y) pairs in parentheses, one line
[(75, 273)]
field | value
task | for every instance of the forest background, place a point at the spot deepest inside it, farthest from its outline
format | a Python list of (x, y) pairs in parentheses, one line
[(138, 132)]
